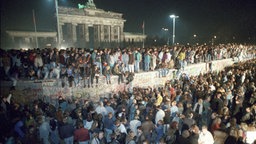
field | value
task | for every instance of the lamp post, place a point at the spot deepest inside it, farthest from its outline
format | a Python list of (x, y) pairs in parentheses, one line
[(213, 39), (58, 24), (166, 34), (173, 27), (195, 38)]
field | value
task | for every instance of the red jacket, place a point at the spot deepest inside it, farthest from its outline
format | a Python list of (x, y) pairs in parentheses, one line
[(81, 134)]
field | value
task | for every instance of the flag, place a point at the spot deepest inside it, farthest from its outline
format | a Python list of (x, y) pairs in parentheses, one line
[(34, 19), (34, 22), (143, 32)]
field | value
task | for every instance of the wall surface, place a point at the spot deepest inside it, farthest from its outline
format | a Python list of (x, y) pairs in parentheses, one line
[(50, 90)]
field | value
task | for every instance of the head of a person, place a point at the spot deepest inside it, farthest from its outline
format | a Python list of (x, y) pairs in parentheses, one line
[(160, 122), (217, 120), (174, 103), (218, 95), (204, 129), (117, 123), (185, 134), (80, 125), (248, 109), (194, 129), (131, 134), (200, 101), (110, 115), (101, 134), (174, 125)]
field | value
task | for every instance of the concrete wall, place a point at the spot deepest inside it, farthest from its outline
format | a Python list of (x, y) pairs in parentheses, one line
[(52, 89)]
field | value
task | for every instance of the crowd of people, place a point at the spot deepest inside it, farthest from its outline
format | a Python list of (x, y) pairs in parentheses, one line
[(76, 64), (211, 108)]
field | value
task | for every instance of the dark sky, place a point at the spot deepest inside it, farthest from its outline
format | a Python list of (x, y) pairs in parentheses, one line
[(227, 19)]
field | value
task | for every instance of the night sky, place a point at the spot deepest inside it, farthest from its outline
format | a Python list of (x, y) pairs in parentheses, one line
[(227, 19)]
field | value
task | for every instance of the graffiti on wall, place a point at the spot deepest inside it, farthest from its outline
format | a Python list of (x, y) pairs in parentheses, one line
[(55, 92)]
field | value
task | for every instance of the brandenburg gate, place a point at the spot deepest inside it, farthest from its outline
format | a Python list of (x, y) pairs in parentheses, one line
[(84, 27), (90, 27)]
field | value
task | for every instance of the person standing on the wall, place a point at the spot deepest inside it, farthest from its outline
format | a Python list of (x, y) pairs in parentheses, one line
[(138, 58), (107, 73), (131, 61), (125, 60), (96, 74), (147, 60)]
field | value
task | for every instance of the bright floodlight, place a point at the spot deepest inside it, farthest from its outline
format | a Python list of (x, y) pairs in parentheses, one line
[(174, 16), (165, 29)]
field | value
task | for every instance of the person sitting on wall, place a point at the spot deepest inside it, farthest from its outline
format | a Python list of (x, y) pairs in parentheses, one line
[(31, 74), (129, 77)]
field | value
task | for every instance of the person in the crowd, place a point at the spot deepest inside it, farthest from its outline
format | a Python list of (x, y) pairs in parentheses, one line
[(116, 71), (188, 121), (198, 110), (130, 138), (107, 73), (159, 99), (138, 59), (134, 124), (183, 138), (194, 136), (131, 61), (125, 60), (205, 136), (217, 103), (160, 114), (100, 109), (54, 133), (95, 137), (172, 133), (147, 60), (95, 74), (66, 131), (109, 125), (88, 73), (140, 137), (18, 128), (159, 131), (120, 127), (38, 65), (81, 134), (102, 138), (44, 130), (147, 127)]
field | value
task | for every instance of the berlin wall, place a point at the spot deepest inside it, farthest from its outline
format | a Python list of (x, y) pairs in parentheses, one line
[(50, 90)]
